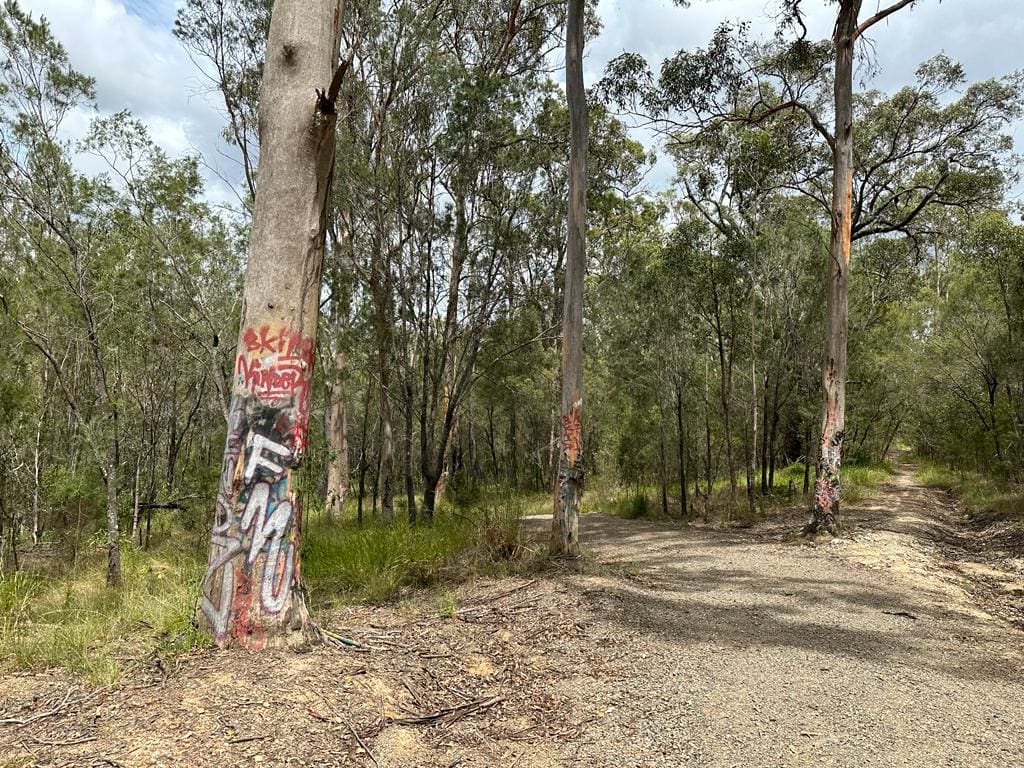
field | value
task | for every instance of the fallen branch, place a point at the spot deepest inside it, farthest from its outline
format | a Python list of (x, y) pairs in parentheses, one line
[(362, 744), (901, 614), (244, 739), (347, 724), (449, 715), (492, 598), (68, 743), (22, 722)]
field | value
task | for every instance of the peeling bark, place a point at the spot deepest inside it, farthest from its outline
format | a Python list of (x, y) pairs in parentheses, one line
[(825, 514)]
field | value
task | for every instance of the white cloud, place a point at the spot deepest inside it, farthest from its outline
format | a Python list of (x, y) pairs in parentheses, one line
[(139, 65)]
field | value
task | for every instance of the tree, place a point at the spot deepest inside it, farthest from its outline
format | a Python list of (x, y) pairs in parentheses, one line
[(916, 154), (568, 494), (251, 595), (825, 512)]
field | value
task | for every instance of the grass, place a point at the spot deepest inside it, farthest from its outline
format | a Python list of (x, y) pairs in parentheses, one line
[(66, 616), (54, 616), (73, 620), (985, 498), (860, 480)]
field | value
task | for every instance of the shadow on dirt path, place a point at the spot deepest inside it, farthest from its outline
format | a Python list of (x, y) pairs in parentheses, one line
[(669, 646)]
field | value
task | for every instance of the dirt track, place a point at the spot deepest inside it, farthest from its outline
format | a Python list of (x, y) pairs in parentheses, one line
[(676, 646)]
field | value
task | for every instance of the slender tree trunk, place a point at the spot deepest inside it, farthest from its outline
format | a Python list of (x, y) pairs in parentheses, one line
[(684, 502), (251, 591), (410, 484), (363, 457), (663, 462), (135, 497), (337, 440), (565, 525), (708, 471), (113, 527), (37, 464), (724, 397), (752, 451), (807, 458), (766, 488), (513, 446), (825, 515)]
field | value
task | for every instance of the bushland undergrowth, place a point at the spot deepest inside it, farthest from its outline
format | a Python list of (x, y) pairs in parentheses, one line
[(645, 500), (985, 498), (57, 611)]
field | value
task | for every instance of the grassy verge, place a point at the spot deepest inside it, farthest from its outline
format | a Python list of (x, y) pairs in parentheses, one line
[(343, 561), (985, 498), (54, 616), (73, 620)]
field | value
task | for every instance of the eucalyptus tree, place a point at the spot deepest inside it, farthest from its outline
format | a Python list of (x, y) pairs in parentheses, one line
[(565, 522), (250, 591), (48, 204), (916, 150), (227, 39)]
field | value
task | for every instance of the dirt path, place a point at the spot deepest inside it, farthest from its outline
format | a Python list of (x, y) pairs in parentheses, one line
[(676, 647)]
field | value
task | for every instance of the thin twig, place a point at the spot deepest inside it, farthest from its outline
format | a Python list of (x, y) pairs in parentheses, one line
[(450, 715), (362, 744), (22, 722)]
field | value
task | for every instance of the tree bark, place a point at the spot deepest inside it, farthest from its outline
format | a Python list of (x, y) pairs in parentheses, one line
[(565, 525), (251, 591), (337, 440), (681, 436), (825, 513), (113, 527)]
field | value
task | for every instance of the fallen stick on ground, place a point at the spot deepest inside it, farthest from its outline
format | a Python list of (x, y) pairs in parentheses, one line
[(449, 715), (21, 722)]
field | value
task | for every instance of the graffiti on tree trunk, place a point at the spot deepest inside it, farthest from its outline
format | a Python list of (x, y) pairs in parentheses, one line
[(252, 566), (570, 475), (572, 434)]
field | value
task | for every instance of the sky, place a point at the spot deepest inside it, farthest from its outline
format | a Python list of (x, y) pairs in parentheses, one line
[(128, 47)]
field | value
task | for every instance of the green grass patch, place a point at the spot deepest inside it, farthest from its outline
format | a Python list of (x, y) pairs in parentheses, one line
[(343, 561), (54, 616), (73, 620), (985, 498), (860, 480), (633, 502)]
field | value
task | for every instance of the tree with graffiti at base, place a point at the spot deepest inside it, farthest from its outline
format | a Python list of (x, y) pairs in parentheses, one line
[(252, 595)]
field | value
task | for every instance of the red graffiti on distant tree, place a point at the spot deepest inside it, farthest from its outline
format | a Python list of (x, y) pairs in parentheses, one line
[(572, 434)]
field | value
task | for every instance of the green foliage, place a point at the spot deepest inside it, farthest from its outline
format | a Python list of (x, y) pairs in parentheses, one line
[(860, 480), (375, 562)]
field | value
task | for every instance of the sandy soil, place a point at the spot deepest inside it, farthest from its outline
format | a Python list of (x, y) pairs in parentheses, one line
[(673, 647)]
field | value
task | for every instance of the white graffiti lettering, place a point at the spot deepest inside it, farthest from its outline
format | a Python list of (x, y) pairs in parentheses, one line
[(258, 444)]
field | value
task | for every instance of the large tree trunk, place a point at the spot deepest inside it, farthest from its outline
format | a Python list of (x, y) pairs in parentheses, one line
[(825, 515), (250, 591), (565, 525)]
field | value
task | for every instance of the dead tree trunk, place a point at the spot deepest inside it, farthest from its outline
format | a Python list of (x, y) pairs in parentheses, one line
[(250, 591), (565, 526)]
